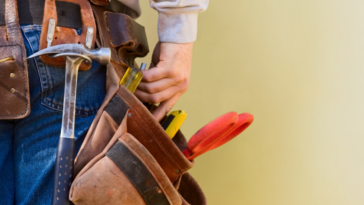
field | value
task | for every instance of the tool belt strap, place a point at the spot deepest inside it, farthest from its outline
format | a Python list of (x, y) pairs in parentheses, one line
[(14, 86), (52, 34), (31, 12)]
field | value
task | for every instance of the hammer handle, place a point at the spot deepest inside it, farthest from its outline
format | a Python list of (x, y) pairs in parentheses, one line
[(63, 175)]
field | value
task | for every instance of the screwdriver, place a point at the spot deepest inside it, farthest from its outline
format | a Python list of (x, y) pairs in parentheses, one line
[(173, 122), (132, 77)]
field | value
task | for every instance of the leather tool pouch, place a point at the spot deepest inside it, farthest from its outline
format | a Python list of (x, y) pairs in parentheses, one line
[(125, 37), (52, 34), (126, 157), (14, 85)]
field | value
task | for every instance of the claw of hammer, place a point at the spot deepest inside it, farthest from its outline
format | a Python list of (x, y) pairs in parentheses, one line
[(101, 55)]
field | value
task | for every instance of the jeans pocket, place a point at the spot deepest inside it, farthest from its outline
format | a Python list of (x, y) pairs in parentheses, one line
[(91, 88)]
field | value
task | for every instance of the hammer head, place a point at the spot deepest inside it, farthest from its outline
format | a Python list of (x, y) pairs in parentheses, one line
[(102, 55)]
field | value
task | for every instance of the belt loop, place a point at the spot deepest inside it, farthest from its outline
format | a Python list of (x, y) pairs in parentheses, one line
[(52, 34)]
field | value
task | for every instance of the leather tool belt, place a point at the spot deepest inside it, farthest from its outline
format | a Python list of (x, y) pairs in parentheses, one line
[(52, 34), (127, 158), (14, 86)]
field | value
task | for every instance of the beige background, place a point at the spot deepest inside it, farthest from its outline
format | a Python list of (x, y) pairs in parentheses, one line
[(297, 65)]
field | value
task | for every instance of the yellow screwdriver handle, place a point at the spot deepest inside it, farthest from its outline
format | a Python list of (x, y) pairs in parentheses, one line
[(173, 122), (132, 78)]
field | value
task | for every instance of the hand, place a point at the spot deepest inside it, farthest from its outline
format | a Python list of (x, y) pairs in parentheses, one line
[(168, 77)]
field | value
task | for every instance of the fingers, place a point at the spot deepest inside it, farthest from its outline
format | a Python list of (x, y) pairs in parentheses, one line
[(157, 86), (165, 107), (168, 77), (157, 97), (159, 72)]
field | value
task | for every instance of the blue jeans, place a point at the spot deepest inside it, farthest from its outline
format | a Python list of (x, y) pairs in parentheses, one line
[(28, 146)]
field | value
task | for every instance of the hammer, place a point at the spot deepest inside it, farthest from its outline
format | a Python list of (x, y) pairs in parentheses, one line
[(75, 54)]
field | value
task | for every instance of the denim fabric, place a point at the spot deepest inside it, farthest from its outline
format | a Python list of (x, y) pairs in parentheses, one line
[(28, 146)]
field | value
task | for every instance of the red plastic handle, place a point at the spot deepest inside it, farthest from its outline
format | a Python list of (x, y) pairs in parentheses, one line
[(217, 133)]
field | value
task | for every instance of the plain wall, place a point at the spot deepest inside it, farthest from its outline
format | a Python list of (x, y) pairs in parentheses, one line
[(298, 67)]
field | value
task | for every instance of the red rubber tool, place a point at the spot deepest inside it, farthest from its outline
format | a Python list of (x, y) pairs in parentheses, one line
[(216, 133)]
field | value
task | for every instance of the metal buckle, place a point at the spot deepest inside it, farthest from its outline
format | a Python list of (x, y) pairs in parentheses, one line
[(50, 33)]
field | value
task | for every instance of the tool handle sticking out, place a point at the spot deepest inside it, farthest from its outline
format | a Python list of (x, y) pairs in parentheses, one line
[(132, 77), (217, 133), (64, 171)]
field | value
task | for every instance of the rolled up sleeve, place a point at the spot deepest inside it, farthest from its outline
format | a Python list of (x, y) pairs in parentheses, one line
[(177, 22)]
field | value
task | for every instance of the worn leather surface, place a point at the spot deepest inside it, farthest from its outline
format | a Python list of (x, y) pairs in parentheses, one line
[(147, 132), (153, 167), (191, 191), (106, 127), (14, 85), (125, 37), (144, 127), (102, 40), (63, 35), (101, 181), (150, 133)]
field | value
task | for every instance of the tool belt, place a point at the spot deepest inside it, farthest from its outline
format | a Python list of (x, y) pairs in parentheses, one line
[(126, 157), (14, 84)]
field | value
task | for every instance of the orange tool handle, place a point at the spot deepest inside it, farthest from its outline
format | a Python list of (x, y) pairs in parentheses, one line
[(216, 133)]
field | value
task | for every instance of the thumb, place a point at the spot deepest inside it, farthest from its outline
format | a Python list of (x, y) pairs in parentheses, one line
[(156, 55)]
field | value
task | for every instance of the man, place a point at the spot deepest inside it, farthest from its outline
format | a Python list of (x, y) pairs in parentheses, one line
[(28, 146)]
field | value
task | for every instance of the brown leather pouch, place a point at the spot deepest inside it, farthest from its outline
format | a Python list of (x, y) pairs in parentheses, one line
[(143, 126), (123, 173), (14, 85), (125, 37), (124, 119)]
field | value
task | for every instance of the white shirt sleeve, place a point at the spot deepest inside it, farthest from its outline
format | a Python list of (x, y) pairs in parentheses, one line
[(177, 21)]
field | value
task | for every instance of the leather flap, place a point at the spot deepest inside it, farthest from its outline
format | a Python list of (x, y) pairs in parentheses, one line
[(14, 94), (124, 32), (120, 171), (143, 126)]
